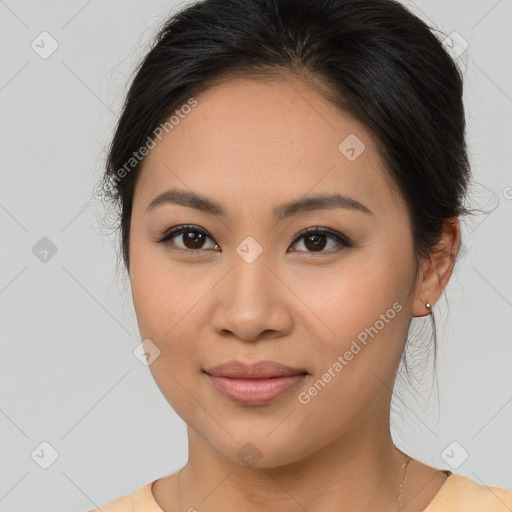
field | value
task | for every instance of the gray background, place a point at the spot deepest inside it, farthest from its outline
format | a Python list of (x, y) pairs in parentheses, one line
[(68, 375)]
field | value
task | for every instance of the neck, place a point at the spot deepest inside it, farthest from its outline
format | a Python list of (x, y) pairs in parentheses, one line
[(361, 470)]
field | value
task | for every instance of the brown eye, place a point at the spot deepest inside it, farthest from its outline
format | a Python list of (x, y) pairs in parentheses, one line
[(193, 239), (315, 240), (188, 238)]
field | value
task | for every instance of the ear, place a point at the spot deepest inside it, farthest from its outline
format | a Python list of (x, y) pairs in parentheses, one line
[(436, 271)]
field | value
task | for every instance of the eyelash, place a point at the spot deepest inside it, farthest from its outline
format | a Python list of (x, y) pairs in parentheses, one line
[(185, 228)]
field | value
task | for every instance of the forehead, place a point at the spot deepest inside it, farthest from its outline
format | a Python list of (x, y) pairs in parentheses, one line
[(263, 141)]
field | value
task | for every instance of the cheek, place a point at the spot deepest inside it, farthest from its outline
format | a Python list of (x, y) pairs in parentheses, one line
[(158, 290), (167, 308), (169, 302), (363, 308), (358, 346), (352, 295), (164, 300)]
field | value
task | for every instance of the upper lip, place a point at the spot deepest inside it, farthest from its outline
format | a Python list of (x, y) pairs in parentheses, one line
[(259, 370)]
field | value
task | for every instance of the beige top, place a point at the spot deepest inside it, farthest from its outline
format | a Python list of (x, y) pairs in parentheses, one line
[(457, 494)]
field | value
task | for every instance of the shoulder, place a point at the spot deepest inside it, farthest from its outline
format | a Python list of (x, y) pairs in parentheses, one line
[(139, 501), (122, 504), (460, 493)]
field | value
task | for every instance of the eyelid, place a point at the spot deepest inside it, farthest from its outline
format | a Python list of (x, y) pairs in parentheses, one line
[(183, 228), (330, 233)]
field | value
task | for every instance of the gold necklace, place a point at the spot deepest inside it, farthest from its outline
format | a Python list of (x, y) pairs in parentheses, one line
[(404, 469), (402, 480)]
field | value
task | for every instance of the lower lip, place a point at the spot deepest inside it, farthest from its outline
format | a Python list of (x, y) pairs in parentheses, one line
[(255, 391)]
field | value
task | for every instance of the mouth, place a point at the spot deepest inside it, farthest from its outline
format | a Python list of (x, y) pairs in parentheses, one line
[(255, 384)]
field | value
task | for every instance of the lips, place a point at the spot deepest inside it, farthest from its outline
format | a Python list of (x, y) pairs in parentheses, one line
[(259, 370), (255, 384)]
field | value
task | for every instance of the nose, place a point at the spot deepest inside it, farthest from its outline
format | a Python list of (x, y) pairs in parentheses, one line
[(251, 301)]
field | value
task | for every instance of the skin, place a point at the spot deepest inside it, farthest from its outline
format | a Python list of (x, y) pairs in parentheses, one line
[(252, 145)]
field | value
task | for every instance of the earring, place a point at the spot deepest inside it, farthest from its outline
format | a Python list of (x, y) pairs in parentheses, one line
[(429, 307)]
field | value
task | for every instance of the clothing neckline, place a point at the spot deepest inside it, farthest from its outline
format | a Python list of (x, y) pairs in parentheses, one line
[(148, 493), (155, 505), (441, 492)]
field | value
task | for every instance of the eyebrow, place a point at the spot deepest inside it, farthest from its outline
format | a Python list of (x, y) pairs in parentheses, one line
[(305, 204)]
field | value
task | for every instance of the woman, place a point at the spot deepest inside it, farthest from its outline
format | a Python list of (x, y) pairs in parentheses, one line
[(290, 177)]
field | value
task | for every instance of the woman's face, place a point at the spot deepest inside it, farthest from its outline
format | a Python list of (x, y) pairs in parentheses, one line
[(250, 290)]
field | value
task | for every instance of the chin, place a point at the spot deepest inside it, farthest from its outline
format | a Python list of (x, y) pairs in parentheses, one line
[(256, 448)]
